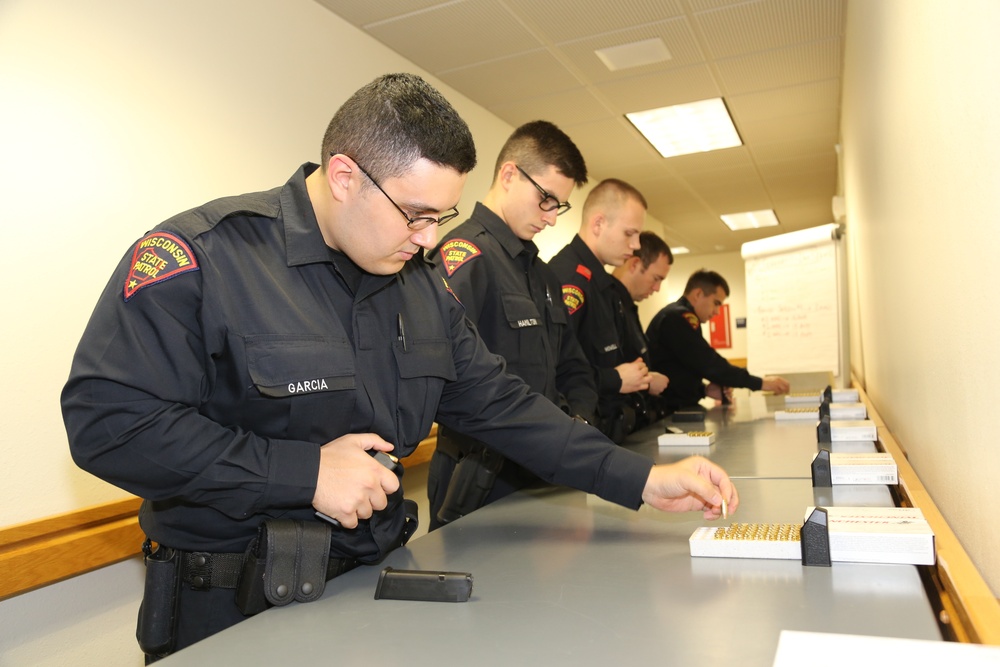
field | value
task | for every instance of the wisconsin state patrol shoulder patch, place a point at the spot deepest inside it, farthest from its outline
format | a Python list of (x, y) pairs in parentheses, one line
[(692, 319), (457, 252), (157, 257), (572, 298)]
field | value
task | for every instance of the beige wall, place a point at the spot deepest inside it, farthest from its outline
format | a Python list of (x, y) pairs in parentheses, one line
[(113, 116), (921, 168), (117, 115)]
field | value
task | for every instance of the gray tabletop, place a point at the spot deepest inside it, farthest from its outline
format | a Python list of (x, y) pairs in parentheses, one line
[(562, 578), (749, 441)]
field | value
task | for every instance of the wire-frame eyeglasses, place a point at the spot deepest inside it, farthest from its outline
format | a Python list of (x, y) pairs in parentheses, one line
[(549, 201)]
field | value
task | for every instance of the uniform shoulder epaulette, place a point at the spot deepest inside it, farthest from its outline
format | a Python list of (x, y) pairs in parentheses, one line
[(457, 252), (584, 271)]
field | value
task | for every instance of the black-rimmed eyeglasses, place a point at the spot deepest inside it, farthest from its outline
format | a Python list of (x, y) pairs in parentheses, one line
[(549, 201), (418, 222)]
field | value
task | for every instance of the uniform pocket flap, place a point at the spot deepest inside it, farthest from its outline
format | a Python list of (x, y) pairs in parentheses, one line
[(286, 365), (426, 358), (520, 310)]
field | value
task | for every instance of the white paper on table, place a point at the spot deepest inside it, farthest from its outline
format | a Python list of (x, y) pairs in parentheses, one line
[(820, 649)]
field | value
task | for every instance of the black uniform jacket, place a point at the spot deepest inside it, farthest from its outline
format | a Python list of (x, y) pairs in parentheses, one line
[(631, 335), (588, 292), (514, 299), (679, 351), (231, 343)]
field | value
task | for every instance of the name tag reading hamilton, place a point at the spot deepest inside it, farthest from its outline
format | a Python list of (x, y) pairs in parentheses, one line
[(530, 322)]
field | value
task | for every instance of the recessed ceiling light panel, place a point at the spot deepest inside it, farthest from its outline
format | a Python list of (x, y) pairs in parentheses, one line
[(750, 220), (695, 127)]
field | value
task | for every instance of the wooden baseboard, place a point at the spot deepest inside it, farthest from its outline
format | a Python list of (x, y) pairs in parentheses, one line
[(38, 553)]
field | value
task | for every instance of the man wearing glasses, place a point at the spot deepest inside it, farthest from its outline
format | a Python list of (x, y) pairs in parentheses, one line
[(613, 215), (252, 361), (492, 265)]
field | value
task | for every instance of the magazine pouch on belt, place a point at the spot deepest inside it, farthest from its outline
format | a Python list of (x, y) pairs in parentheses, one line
[(296, 555)]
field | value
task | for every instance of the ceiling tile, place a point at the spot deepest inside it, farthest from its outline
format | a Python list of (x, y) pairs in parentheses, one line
[(565, 109), (775, 103), (777, 63), (610, 144), (675, 33), (780, 151), (660, 89), (363, 13), (781, 67), (490, 83), (749, 27), (439, 39), (561, 20), (822, 125), (727, 159)]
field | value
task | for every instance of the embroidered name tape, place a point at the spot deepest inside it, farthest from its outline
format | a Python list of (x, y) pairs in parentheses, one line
[(158, 257)]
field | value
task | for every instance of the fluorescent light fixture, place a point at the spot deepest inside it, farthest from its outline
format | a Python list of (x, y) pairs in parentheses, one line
[(646, 52), (679, 250), (695, 127), (750, 220)]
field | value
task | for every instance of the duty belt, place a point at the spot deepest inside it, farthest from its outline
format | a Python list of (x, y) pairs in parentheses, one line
[(202, 570)]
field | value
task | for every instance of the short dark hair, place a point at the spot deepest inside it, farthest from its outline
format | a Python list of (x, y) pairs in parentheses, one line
[(611, 191), (536, 145), (394, 121), (651, 247), (708, 281)]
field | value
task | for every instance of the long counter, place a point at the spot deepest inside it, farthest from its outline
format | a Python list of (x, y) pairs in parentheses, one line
[(563, 578)]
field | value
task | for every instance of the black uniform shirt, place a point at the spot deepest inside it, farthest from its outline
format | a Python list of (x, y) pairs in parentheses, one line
[(679, 351), (588, 292), (514, 299), (630, 331), (217, 362)]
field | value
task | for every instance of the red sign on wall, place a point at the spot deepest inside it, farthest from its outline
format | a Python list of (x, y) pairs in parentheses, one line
[(720, 334)]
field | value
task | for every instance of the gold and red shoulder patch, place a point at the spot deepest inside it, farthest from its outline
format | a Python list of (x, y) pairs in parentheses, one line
[(692, 319), (584, 271), (572, 298), (157, 257), (457, 252)]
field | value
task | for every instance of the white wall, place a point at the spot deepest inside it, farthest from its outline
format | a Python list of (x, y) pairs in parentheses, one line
[(113, 116), (921, 165), (117, 115)]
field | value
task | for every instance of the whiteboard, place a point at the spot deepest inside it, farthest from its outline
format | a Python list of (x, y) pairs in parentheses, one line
[(796, 297)]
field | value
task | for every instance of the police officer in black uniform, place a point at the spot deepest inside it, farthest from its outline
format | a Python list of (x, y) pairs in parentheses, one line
[(249, 356), (613, 215), (678, 349), (639, 277), (492, 265)]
